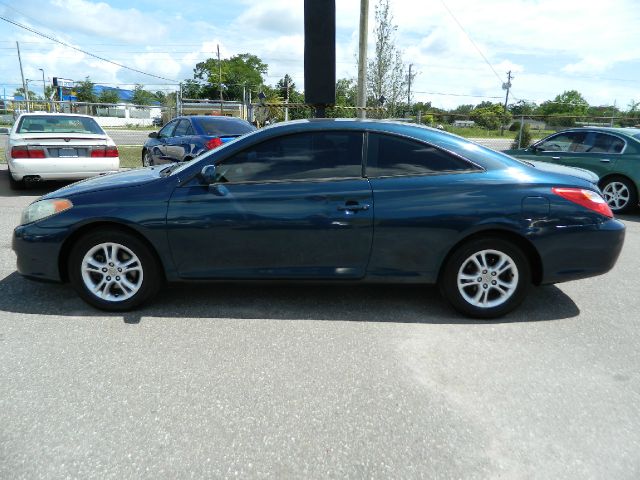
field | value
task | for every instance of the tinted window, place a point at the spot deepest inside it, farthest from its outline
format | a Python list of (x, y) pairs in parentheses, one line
[(58, 124), (182, 129), (566, 142), (604, 143), (167, 130), (389, 156), (295, 157), (223, 126)]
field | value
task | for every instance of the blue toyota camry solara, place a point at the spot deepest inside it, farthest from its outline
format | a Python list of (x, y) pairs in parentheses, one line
[(328, 200)]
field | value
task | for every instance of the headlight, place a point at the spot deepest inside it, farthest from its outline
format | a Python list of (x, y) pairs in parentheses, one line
[(44, 208)]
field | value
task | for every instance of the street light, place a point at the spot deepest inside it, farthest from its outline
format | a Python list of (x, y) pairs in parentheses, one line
[(44, 87)]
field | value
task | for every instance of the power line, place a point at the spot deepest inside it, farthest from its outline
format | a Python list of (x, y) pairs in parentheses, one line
[(471, 40), (84, 51)]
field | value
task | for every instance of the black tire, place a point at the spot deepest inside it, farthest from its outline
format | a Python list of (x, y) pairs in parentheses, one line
[(147, 159), (15, 184), (620, 194), (144, 272), (486, 283)]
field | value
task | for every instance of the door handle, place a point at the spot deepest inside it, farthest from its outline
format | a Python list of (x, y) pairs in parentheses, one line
[(353, 207), (605, 160), (555, 158)]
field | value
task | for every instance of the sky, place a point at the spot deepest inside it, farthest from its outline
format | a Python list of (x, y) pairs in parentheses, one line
[(460, 49)]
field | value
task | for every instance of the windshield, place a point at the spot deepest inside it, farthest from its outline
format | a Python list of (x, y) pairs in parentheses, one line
[(58, 124)]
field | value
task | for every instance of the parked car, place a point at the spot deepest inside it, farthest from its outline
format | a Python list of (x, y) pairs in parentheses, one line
[(184, 138), (58, 146), (611, 153), (330, 200)]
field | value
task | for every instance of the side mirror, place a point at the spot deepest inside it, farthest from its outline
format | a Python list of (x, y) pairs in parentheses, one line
[(153, 135), (4, 131), (208, 174)]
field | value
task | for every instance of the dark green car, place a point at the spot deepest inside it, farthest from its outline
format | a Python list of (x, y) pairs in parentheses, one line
[(611, 153)]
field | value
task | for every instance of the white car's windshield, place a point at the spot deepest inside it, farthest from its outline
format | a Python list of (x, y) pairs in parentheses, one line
[(58, 124)]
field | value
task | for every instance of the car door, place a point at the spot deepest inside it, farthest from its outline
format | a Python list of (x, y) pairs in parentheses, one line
[(423, 197), (178, 146), (586, 149), (293, 206), (159, 148)]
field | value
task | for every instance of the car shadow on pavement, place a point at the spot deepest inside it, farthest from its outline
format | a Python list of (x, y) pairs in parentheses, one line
[(282, 301), (32, 190)]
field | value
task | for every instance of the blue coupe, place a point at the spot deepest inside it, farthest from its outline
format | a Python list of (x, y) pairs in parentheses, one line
[(328, 200)]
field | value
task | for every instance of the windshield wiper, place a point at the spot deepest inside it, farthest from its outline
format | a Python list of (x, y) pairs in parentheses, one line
[(167, 170)]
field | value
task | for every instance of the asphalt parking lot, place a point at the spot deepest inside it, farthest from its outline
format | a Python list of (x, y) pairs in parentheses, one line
[(295, 381)]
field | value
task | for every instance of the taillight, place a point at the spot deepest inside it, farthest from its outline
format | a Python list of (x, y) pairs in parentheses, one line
[(25, 151), (104, 152), (586, 198), (213, 143)]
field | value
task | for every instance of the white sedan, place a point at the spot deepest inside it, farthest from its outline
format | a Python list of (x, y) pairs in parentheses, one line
[(58, 146)]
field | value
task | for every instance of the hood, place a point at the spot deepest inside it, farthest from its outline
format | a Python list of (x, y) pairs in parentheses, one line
[(575, 172), (130, 178)]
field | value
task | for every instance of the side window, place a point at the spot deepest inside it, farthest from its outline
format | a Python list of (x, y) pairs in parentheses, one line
[(392, 156), (167, 130), (604, 143), (303, 156), (182, 128), (565, 142)]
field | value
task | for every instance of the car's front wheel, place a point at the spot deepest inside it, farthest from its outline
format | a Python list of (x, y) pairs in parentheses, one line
[(620, 194), (114, 270), (486, 277)]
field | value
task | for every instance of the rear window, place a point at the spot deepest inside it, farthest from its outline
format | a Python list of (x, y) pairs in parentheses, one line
[(61, 124), (223, 126)]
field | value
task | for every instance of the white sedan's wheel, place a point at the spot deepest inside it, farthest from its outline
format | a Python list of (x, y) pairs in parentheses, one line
[(112, 272)]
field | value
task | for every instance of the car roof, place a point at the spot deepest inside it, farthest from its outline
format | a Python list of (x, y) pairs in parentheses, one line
[(627, 131)]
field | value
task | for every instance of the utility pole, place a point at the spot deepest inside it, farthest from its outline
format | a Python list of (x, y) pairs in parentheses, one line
[(220, 80), (362, 59), (44, 89), (409, 88), (506, 86), (24, 85), (286, 101)]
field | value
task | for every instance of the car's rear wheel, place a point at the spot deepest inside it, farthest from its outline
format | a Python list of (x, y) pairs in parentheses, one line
[(147, 159), (486, 277), (620, 194), (113, 270), (15, 184)]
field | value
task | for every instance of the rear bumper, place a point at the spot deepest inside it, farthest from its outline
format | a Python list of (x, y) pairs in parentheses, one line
[(62, 168), (576, 252)]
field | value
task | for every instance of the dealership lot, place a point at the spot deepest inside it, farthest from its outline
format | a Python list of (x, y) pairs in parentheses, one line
[(318, 381)]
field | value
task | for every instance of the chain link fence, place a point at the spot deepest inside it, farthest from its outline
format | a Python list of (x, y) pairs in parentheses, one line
[(129, 125)]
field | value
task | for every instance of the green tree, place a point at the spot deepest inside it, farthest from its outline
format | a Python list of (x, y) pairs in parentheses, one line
[(524, 140), (564, 109), (386, 71), (523, 107), (192, 89), (20, 93), (346, 92), (109, 95), (243, 70), (142, 96), (490, 117), (84, 91)]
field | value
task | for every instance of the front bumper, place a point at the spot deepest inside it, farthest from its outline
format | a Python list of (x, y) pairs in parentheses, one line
[(576, 252), (38, 250)]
